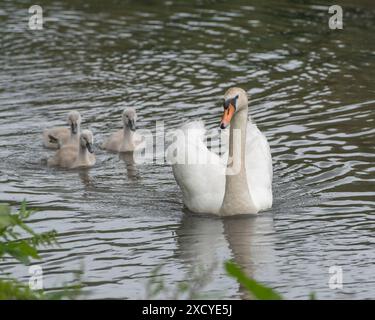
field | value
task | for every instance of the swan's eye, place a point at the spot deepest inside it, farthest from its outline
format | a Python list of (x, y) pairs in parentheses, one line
[(231, 101), (227, 103)]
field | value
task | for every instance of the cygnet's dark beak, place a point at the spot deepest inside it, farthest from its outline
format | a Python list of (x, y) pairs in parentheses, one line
[(74, 128), (132, 124), (89, 147)]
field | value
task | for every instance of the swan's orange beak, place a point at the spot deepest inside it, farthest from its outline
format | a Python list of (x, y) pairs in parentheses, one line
[(227, 116)]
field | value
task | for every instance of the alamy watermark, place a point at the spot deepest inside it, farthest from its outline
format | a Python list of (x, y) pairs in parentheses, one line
[(190, 146), (36, 277), (336, 20), (336, 278), (36, 18)]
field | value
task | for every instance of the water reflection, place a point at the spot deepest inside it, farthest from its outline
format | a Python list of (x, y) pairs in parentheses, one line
[(250, 241), (131, 168), (87, 180)]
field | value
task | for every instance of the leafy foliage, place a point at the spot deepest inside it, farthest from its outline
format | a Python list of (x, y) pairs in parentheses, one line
[(196, 279), (257, 290), (19, 241), (11, 289), (10, 243)]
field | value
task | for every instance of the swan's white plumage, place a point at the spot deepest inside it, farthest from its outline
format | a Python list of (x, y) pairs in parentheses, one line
[(199, 192), (203, 185), (258, 167)]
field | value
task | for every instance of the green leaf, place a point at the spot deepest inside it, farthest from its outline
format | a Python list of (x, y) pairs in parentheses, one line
[(12, 289), (6, 218), (258, 290), (4, 209), (21, 251)]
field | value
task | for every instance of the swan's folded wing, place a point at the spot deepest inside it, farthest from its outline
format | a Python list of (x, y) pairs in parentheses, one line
[(65, 157), (199, 172), (60, 134), (113, 143), (259, 167)]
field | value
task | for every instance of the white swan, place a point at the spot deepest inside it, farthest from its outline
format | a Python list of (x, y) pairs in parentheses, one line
[(75, 156), (244, 184), (124, 140), (56, 137)]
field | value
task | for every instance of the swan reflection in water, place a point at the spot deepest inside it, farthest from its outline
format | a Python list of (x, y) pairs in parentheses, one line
[(127, 157), (131, 168), (86, 179), (204, 241)]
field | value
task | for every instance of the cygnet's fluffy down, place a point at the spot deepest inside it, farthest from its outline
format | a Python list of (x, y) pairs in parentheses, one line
[(74, 156)]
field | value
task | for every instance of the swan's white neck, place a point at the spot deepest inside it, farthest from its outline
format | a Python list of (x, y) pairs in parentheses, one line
[(237, 199)]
